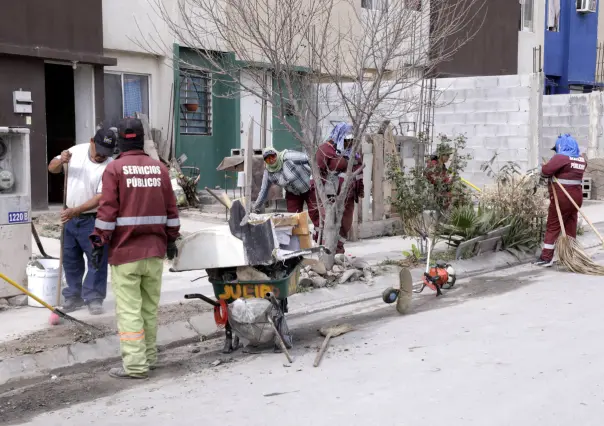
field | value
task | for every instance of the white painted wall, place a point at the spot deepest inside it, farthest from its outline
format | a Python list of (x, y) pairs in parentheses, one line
[(527, 40), (161, 78), (137, 26), (83, 86), (251, 109)]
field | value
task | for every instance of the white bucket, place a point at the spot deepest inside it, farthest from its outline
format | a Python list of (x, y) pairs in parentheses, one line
[(43, 282)]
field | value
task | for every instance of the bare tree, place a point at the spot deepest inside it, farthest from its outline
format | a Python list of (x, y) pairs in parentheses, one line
[(363, 60)]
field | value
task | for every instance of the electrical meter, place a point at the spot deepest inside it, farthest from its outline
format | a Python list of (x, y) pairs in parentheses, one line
[(7, 180)]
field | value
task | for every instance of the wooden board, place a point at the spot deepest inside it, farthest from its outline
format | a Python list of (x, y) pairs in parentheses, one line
[(378, 177)]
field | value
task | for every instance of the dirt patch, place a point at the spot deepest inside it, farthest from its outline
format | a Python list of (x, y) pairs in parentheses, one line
[(48, 225), (68, 333), (62, 335)]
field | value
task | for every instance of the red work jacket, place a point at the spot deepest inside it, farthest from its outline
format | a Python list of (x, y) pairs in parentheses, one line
[(137, 215), (328, 159), (568, 170)]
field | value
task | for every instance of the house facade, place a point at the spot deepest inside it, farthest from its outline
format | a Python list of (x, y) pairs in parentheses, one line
[(55, 54)]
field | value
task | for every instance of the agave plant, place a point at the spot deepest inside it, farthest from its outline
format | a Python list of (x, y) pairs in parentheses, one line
[(466, 222)]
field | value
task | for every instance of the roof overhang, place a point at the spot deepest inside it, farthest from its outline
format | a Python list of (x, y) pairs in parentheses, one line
[(57, 54)]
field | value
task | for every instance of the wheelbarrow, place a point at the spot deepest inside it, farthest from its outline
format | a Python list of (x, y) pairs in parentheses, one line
[(227, 291)]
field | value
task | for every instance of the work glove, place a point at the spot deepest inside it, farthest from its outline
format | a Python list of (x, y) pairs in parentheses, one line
[(172, 250), (97, 256)]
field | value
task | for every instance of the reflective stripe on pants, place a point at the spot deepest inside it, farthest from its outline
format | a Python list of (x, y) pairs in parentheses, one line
[(137, 289)]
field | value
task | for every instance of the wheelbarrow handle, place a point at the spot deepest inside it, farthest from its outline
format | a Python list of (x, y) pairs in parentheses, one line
[(202, 297)]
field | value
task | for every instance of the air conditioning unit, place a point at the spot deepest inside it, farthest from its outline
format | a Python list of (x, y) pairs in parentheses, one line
[(587, 6)]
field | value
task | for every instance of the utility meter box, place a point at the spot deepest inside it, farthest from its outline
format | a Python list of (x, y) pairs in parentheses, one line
[(15, 207)]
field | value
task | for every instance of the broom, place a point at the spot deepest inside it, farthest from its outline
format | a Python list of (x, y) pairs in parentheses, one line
[(570, 253)]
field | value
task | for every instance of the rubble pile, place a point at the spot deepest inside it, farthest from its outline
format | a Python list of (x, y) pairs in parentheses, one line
[(345, 269)]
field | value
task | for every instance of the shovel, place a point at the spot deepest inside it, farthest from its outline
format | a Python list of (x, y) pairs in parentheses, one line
[(329, 332)]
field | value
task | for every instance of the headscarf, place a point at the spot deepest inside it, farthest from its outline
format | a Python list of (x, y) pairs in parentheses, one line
[(277, 165), (337, 136), (567, 145)]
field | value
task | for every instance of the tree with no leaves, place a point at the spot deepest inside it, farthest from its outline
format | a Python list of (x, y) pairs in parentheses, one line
[(359, 60)]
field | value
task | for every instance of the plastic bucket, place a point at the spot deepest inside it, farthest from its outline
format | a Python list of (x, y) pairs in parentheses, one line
[(43, 282)]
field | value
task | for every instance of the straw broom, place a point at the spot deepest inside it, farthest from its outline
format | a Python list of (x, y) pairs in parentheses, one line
[(570, 253)]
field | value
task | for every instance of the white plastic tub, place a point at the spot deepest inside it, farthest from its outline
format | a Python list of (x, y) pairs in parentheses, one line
[(43, 282)]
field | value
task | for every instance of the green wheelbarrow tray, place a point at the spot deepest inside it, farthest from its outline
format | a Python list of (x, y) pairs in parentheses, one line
[(281, 288)]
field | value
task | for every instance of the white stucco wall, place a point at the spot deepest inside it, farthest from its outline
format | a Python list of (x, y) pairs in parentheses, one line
[(161, 78), (83, 86), (251, 109), (528, 40)]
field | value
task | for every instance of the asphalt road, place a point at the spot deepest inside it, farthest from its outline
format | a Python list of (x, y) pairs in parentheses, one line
[(518, 347)]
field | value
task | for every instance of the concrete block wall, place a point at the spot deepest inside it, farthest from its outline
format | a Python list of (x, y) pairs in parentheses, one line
[(565, 114), (493, 113)]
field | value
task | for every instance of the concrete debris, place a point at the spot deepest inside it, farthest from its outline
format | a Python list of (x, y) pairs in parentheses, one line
[(341, 260), (216, 363), (337, 269), (3, 303), (20, 300), (319, 268), (346, 276), (319, 282), (249, 273), (359, 263), (304, 282)]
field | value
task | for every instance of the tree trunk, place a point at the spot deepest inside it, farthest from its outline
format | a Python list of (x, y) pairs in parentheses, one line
[(330, 235)]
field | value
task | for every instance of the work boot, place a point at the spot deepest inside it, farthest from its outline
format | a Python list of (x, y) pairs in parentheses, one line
[(542, 262), (72, 304), (120, 373), (95, 307)]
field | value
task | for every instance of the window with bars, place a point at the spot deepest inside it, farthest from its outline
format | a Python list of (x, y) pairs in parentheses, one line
[(375, 4), (526, 15), (195, 102)]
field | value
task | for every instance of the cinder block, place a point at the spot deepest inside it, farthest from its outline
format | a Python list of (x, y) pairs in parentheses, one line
[(525, 80), (455, 119), (496, 118), (518, 118), (518, 143), (487, 82), (519, 92), (513, 131), (508, 106), (477, 118), (455, 83), (555, 100), (465, 107), (524, 104), (486, 130), (579, 120), (486, 106), (509, 80)]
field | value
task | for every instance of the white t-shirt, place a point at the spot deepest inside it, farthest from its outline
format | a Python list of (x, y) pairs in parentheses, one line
[(85, 176)]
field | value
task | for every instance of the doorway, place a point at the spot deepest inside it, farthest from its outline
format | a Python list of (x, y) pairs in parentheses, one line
[(60, 121)]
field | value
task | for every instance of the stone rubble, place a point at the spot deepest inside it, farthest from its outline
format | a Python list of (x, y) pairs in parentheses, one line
[(346, 269)]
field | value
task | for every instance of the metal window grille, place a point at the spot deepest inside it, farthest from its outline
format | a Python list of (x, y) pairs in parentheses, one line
[(195, 89)]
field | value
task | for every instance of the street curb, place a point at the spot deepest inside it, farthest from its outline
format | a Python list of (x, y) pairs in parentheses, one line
[(198, 328)]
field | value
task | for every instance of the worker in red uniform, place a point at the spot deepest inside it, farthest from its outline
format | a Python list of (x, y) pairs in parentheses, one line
[(568, 167), (138, 220), (438, 175), (332, 160)]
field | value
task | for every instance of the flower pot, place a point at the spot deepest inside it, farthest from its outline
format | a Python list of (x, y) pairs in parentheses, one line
[(191, 107)]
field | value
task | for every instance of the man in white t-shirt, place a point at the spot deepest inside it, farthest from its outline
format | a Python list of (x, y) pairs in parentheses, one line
[(86, 163)]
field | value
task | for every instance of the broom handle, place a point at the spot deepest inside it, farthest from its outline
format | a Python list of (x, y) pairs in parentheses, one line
[(580, 211), (322, 350), (559, 212), (60, 279)]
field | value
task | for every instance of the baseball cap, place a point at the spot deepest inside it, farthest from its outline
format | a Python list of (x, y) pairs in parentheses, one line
[(131, 129), (104, 141)]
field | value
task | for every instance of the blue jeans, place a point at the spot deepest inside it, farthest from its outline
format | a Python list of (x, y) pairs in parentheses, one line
[(76, 244)]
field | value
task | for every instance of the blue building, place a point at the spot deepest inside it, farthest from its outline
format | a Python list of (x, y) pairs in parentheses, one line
[(571, 43)]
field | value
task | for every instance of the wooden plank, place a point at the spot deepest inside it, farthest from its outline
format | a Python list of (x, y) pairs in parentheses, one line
[(389, 150), (248, 167), (378, 177)]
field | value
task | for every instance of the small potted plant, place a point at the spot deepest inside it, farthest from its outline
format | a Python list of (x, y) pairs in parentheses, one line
[(191, 105)]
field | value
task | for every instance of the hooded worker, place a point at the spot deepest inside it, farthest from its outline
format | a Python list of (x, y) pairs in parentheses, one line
[(332, 159), (289, 170), (567, 166)]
